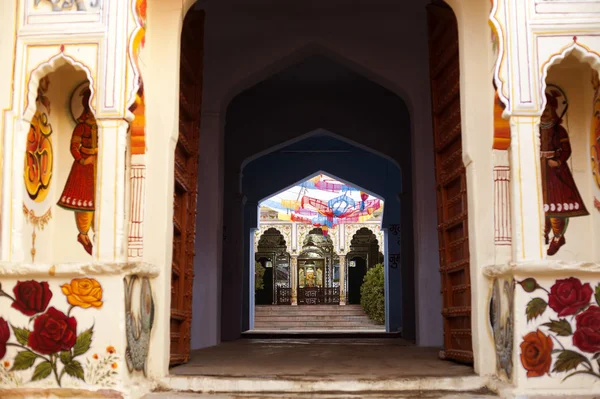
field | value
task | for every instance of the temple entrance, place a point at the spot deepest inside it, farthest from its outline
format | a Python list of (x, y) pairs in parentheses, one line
[(318, 113)]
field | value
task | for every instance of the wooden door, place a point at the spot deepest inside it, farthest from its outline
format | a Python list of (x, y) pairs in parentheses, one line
[(451, 183), (186, 190)]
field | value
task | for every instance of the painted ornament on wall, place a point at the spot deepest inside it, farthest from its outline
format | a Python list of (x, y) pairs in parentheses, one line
[(79, 5), (53, 345), (562, 200), (502, 323), (595, 136), (138, 108), (79, 192), (38, 167), (570, 341), (38, 151), (138, 330)]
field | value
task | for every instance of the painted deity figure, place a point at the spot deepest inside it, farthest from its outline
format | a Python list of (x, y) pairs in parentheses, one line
[(79, 192), (561, 196)]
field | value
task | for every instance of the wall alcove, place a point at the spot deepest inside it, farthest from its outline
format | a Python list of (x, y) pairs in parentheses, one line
[(59, 170), (569, 164)]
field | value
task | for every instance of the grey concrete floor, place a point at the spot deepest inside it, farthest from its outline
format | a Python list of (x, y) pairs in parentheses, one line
[(320, 359)]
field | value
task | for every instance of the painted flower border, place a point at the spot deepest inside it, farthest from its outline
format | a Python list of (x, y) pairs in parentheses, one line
[(54, 337), (577, 316)]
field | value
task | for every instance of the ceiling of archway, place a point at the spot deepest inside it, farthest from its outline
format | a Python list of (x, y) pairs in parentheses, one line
[(324, 202)]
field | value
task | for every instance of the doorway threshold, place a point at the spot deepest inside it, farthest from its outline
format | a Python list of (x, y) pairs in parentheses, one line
[(319, 366)]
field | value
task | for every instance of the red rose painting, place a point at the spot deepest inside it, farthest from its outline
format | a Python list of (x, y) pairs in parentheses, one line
[(53, 340), (4, 336), (31, 297), (587, 333), (568, 296), (53, 332)]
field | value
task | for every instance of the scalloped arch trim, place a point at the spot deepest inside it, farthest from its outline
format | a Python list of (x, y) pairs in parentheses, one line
[(44, 69), (581, 52)]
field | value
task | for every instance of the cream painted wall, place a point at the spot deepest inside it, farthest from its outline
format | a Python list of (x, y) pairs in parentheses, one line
[(7, 46)]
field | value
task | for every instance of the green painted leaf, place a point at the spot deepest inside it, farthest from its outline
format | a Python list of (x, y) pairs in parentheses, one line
[(568, 360), (74, 369), (42, 370), (535, 308), (22, 334), (597, 294), (23, 360), (65, 357), (83, 342), (561, 327)]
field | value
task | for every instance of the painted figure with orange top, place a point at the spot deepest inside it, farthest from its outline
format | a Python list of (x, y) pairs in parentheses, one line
[(79, 192)]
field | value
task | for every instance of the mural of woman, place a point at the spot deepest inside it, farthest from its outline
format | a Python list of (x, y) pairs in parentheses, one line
[(561, 196), (79, 192)]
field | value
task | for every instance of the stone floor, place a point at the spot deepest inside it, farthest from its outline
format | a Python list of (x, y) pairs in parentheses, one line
[(320, 359), (359, 395)]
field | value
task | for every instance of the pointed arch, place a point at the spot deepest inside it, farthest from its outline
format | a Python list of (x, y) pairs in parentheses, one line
[(579, 51), (299, 55), (44, 69)]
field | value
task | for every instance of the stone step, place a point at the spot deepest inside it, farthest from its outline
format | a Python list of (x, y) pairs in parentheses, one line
[(318, 328), (315, 317), (309, 308), (303, 311), (314, 325)]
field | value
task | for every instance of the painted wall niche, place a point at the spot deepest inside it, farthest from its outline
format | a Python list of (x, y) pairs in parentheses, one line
[(571, 222), (60, 171)]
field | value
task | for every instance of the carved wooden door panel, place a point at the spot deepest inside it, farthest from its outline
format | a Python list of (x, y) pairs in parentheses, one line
[(186, 190), (451, 183)]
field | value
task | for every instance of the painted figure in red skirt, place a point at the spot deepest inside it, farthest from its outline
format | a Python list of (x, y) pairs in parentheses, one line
[(79, 192), (561, 197)]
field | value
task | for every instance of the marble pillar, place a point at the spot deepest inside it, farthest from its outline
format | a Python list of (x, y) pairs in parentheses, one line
[(294, 279), (342, 279)]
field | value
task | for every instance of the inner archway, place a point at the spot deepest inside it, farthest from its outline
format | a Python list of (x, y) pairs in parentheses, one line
[(314, 273)]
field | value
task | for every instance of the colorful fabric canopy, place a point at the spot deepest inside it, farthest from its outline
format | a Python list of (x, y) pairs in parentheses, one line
[(324, 202)]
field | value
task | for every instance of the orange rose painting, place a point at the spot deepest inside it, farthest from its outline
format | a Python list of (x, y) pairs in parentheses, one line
[(536, 353), (83, 292)]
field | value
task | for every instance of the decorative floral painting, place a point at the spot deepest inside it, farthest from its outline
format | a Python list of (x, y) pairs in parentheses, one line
[(53, 343), (569, 343)]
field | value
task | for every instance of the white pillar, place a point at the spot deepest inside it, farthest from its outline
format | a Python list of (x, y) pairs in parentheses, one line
[(526, 189), (294, 271), (342, 279), (109, 227)]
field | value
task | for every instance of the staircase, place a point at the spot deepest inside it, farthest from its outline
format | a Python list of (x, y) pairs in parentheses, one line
[(313, 318)]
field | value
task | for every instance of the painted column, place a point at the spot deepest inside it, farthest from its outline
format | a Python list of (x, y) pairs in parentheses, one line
[(294, 271), (109, 228), (342, 279), (526, 193)]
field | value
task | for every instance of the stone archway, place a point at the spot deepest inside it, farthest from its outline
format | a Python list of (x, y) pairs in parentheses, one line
[(163, 127)]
